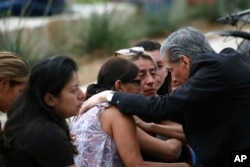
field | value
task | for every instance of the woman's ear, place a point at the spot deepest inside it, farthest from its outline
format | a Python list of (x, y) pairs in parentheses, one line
[(4, 83), (118, 85), (49, 99)]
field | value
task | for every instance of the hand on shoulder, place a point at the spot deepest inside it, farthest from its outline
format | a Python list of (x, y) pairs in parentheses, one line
[(96, 99)]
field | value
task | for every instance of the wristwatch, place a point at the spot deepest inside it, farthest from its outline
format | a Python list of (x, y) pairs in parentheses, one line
[(110, 96)]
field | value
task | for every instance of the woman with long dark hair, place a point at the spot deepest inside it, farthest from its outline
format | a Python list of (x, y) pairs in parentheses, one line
[(36, 132)]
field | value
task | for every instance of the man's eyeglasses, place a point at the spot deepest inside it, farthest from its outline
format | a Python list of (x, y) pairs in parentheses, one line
[(130, 51)]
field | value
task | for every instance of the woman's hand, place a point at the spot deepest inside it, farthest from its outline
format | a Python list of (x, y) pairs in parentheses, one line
[(142, 124)]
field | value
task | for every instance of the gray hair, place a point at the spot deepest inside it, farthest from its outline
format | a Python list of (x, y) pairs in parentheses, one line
[(185, 41)]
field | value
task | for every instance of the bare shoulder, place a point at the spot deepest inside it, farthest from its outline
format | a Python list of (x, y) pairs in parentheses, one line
[(112, 111), (113, 121), (115, 117)]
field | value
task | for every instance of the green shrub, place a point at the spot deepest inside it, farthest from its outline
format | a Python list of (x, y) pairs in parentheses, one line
[(159, 25), (27, 42), (16, 41), (102, 34)]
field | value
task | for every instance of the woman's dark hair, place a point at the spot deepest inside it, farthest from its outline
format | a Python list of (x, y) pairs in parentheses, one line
[(149, 45), (166, 86), (114, 69), (48, 76)]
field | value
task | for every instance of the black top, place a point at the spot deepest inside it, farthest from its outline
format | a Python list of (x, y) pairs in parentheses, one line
[(46, 147), (215, 104)]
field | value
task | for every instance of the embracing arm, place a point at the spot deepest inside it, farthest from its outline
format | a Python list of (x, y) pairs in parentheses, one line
[(205, 86), (167, 128), (167, 150), (123, 130), (207, 83)]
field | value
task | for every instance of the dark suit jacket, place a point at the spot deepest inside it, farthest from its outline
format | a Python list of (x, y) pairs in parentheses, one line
[(214, 102)]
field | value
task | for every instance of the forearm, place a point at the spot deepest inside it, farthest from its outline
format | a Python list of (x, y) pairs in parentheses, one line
[(168, 150), (171, 131), (135, 104)]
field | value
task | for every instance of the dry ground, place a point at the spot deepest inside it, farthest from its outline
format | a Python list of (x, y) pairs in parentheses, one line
[(88, 69)]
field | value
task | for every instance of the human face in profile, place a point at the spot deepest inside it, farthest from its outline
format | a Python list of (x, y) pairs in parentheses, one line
[(10, 89), (179, 70), (161, 70), (132, 86), (70, 100)]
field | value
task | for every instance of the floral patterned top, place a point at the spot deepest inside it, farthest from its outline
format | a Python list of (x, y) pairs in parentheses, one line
[(95, 147)]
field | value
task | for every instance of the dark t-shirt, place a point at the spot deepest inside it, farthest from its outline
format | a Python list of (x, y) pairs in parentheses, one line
[(46, 146)]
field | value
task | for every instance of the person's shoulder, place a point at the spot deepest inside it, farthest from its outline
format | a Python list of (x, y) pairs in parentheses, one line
[(231, 55), (228, 50), (38, 131), (220, 57), (43, 125), (220, 61), (111, 109), (113, 113), (213, 61), (91, 113), (47, 130), (94, 110)]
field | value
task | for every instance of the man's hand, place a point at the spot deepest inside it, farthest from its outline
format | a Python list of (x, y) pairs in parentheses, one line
[(95, 99)]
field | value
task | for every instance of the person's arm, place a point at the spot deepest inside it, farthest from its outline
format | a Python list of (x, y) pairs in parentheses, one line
[(167, 128), (204, 87), (167, 150), (123, 130), (104, 96)]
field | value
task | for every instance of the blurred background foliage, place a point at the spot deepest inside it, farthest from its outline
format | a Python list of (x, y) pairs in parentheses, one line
[(90, 1), (101, 34)]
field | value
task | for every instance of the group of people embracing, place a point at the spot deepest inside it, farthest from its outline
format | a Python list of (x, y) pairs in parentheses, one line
[(175, 104)]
